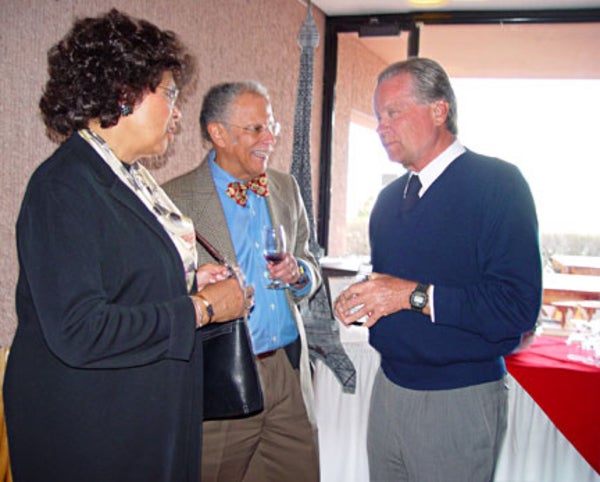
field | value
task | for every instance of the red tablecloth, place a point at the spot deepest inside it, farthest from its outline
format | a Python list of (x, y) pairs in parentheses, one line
[(567, 391)]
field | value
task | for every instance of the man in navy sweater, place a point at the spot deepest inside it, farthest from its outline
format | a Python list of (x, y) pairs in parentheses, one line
[(456, 285)]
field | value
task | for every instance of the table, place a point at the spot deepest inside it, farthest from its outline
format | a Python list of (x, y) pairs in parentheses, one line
[(342, 417), (586, 265), (589, 307), (567, 391), (534, 450), (335, 267), (345, 266), (570, 287)]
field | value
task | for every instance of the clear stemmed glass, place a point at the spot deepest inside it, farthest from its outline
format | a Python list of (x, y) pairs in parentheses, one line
[(274, 249)]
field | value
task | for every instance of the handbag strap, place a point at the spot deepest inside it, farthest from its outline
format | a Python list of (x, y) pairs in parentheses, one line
[(214, 252)]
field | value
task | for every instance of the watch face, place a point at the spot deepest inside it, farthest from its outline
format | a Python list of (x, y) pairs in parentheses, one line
[(418, 300)]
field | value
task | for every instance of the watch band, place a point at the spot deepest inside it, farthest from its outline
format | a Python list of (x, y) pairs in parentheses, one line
[(419, 297)]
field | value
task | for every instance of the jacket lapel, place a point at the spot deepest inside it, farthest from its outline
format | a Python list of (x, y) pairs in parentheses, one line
[(278, 201), (121, 193), (207, 213)]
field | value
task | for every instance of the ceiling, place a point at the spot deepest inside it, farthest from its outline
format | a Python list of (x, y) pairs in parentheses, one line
[(387, 47), (368, 7)]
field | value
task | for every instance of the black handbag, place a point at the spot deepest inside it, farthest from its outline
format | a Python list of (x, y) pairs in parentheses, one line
[(231, 382)]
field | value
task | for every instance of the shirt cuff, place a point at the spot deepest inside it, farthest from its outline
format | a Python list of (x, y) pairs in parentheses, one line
[(431, 306), (306, 288)]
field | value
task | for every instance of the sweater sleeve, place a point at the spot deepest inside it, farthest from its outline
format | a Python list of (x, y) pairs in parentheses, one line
[(505, 301)]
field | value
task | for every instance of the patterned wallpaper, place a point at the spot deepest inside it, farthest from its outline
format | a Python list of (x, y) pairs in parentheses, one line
[(232, 40)]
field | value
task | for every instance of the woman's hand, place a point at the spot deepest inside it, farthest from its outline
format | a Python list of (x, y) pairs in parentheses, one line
[(210, 273), (222, 301)]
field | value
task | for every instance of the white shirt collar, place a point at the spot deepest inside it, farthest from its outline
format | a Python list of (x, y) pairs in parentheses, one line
[(434, 169)]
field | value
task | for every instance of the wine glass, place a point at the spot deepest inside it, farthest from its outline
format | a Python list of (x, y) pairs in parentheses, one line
[(274, 249)]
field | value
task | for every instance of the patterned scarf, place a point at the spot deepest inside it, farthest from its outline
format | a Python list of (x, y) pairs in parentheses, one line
[(137, 178)]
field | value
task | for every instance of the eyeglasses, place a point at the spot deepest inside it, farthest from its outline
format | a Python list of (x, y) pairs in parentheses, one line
[(171, 93), (258, 129)]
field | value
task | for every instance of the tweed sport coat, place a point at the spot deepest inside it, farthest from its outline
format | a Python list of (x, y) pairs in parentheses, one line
[(195, 194)]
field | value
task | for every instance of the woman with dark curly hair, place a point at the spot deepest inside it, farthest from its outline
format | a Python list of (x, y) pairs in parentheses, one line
[(104, 377)]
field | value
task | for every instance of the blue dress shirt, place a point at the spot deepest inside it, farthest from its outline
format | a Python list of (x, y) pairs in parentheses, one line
[(271, 323)]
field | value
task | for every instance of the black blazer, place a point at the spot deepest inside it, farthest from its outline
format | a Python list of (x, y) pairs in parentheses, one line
[(104, 378)]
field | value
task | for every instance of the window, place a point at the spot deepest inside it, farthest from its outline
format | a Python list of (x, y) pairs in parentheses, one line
[(527, 93), (369, 169), (552, 140)]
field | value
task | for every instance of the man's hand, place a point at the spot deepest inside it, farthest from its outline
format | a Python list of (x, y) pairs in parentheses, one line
[(286, 270), (379, 296)]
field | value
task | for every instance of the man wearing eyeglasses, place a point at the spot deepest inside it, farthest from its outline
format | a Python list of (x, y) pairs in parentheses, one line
[(231, 197)]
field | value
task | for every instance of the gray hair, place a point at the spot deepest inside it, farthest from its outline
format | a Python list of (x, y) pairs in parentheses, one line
[(219, 98), (430, 83)]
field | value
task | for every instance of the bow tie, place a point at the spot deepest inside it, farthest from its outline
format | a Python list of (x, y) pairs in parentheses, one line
[(238, 190)]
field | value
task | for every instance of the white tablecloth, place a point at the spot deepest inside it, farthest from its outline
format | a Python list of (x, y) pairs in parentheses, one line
[(342, 417), (534, 450)]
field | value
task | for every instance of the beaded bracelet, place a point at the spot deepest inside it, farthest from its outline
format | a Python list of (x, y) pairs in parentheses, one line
[(198, 311)]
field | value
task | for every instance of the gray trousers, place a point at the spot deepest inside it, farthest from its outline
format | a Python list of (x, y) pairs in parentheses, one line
[(435, 436)]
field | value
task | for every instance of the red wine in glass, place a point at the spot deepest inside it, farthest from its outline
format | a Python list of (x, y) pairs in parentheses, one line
[(274, 250), (274, 257)]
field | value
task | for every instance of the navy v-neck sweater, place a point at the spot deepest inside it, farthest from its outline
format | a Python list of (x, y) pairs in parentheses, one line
[(474, 236)]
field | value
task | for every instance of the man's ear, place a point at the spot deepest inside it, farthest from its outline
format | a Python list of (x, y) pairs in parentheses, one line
[(217, 133), (440, 110)]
